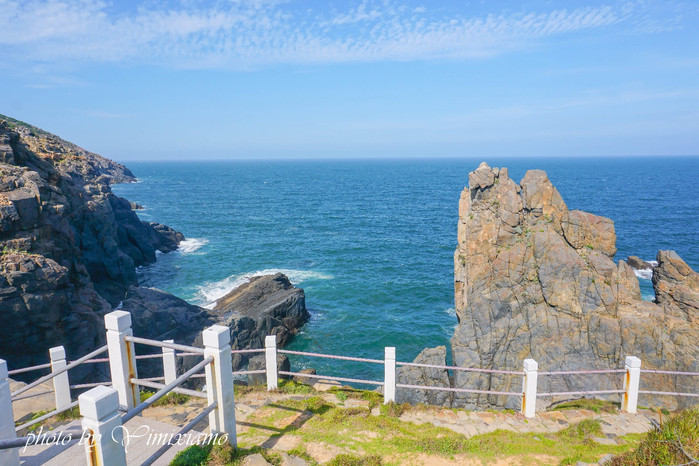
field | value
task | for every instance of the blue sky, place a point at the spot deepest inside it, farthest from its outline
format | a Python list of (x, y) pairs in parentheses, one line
[(268, 78)]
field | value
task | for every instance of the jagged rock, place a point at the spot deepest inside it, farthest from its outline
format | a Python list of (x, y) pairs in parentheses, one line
[(166, 239), (676, 286), (265, 305), (533, 279), (135, 206), (409, 375), (638, 263), (74, 245)]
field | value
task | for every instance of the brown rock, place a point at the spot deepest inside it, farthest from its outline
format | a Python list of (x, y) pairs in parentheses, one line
[(533, 279)]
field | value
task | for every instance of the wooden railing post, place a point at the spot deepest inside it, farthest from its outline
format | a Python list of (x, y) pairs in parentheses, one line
[(103, 435), (10, 456), (631, 383), (169, 364), (122, 358), (271, 362), (389, 377), (531, 369), (219, 381), (61, 384)]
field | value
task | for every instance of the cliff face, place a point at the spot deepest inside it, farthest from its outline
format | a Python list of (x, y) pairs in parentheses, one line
[(69, 245), (536, 280)]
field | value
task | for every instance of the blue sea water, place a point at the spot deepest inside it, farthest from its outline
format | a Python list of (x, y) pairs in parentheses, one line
[(372, 241)]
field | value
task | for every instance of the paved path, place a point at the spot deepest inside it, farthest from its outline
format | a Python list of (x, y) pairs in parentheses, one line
[(138, 449)]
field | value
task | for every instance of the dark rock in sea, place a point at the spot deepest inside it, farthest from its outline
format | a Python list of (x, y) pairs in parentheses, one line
[(639, 264), (409, 375), (266, 305), (165, 239), (536, 280), (135, 206), (257, 362)]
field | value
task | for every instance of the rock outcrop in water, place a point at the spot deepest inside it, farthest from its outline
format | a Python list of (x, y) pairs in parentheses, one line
[(536, 280), (265, 305)]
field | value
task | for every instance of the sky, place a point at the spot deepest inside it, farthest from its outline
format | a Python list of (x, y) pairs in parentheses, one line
[(250, 79)]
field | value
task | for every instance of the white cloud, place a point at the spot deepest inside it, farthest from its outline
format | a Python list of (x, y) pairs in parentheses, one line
[(249, 33)]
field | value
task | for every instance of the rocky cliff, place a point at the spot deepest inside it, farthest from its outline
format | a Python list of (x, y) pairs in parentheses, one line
[(534, 279), (70, 249), (69, 245)]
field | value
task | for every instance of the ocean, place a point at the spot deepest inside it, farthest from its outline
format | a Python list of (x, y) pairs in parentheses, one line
[(372, 241)]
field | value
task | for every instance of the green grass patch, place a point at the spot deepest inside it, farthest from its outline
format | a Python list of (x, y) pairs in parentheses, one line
[(294, 387), (596, 406), (352, 460), (170, 399), (674, 442)]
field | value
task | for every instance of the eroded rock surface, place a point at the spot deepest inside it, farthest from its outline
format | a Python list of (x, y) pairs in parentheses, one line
[(265, 305), (536, 280), (69, 245)]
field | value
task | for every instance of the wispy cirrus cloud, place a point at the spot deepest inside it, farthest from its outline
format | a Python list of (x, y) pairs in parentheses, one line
[(245, 33)]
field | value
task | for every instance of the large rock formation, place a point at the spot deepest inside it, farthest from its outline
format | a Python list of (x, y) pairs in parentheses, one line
[(69, 245), (265, 305), (536, 280)]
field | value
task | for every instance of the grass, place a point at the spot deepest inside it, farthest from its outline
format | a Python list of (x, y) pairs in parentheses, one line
[(675, 441), (170, 399), (65, 416), (359, 437), (596, 406)]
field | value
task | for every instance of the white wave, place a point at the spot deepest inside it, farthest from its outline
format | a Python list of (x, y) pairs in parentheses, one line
[(451, 311), (191, 245), (208, 294), (646, 274)]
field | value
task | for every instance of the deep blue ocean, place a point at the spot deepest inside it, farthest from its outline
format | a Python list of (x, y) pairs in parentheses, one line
[(372, 241)]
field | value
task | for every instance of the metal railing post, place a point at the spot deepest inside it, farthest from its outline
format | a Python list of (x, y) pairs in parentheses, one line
[(219, 381), (7, 420), (169, 363), (122, 358), (61, 384), (271, 362), (389, 377), (103, 434), (531, 368), (631, 384)]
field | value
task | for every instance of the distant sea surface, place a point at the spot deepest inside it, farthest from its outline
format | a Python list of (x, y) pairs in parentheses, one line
[(372, 241)]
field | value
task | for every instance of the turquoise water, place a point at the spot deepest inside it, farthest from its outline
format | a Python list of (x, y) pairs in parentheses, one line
[(372, 242)]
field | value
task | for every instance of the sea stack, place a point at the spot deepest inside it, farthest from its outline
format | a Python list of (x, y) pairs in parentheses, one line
[(533, 279)]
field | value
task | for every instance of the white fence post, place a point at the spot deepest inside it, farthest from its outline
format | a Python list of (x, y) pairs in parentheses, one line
[(219, 381), (61, 385), (531, 369), (389, 375), (631, 384), (7, 420), (122, 358), (271, 362), (102, 432), (169, 364)]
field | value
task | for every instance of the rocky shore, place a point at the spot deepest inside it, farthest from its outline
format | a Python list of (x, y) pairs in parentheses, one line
[(534, 279), (70, 248)]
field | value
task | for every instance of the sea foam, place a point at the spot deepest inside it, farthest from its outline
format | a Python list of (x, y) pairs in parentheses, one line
[(208, 294), (646, 274), (192, 244)]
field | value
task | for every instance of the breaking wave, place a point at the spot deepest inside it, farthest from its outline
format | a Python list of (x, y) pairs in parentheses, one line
[(208, 294), (192, 244), (646, 274)]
